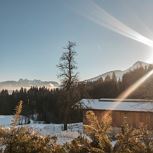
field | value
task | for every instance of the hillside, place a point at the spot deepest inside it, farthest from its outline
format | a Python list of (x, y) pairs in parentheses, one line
[(119, 74)]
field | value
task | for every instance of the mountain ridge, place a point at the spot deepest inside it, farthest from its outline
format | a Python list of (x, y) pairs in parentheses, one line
[(119, 73), (27, 84)]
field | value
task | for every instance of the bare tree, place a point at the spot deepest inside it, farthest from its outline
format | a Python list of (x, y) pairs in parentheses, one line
[(67, 67), (69, 78)]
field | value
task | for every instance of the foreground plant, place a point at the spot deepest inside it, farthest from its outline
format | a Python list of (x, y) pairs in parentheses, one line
[(96, 140), (128, 140), (98, 132)]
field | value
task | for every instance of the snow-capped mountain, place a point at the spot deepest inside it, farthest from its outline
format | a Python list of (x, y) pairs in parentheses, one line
[(119, 74), (25, 83)]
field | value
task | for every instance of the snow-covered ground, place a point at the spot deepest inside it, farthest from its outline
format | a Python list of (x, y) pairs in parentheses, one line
[(74, 130), (5, 120)]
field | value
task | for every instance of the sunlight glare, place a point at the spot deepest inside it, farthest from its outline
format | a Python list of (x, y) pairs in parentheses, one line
[(133, 87), (150, 58), (99, 16)]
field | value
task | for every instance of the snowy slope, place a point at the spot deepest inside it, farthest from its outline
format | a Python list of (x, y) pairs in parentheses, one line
[(119, 74)]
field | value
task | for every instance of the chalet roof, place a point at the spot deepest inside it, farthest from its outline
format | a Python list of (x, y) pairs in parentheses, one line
[(114, 104)]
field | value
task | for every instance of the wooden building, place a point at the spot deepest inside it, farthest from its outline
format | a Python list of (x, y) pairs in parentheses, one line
[(139, 113)]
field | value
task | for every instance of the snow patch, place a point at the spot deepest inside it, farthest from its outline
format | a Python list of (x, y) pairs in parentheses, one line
[(74, 129)]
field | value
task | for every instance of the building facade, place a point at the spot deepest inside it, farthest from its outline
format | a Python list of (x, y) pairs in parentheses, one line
[(138, 113)]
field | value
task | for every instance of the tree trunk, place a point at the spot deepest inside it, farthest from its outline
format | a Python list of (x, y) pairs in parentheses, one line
[(66, 118), (65, 126)]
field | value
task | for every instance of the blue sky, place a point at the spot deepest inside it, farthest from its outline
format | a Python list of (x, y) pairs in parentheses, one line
[(34, 32)]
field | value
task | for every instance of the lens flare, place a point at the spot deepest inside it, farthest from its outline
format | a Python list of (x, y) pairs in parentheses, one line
[(99, 16), (133, 87), (150, 56), (130, 90)]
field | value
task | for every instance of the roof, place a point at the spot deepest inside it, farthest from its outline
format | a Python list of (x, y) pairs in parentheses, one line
[(114, 104), (124, 100)]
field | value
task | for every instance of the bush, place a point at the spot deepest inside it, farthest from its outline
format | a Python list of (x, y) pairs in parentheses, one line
[(96, 140), (25, 140)]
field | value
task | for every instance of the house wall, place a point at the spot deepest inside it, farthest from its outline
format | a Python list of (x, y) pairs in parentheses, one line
[(134, 119)]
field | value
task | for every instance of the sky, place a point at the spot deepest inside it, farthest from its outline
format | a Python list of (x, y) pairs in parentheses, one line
[(109, 35)]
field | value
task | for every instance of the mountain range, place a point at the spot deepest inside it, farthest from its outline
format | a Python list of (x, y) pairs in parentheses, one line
[(25, 83), (119, 74)]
